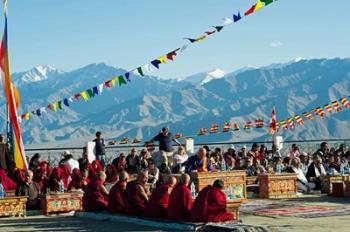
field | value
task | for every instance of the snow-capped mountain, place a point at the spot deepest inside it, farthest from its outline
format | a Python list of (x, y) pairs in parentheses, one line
[(36, 74), (205, 77), (144, 105)]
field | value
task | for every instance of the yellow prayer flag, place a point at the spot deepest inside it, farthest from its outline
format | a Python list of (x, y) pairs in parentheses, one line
[(84, 95), (258, 6), (201, 38), (114, 81), (162, 59), (27, 116), (54, 106)]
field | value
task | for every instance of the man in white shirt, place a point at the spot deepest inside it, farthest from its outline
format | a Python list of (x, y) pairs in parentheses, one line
[(72, 163)]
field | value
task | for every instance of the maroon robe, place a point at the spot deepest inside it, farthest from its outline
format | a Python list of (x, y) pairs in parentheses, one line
[(158, 203), (135, 205), (6, 181), (94, 200), (116, 198), (76, 183), (210, 206), (180, 203)]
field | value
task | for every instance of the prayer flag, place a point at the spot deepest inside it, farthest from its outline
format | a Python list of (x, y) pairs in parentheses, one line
[(291, 122), (218, 28), (236, 18), (94, 91), (259, 123), (100, 88), (65, 102), (59, 103), (156, 63), (108, 83), (202, 131), (121, 80), (250, 10), (77, 96), (328, 108), (214, 128), (345, 102), (227, 21), (299, 120), (84, 95), (258, 6), (308, 115), (139, 70), (162, 59), (284, 124), (191, 40), (236, 127), (201, 38), (127, 77), (114, 81), (248, 125), (267, 2), (226, 127), (170, 55), (336, 106), (210, 32), (90, 93)]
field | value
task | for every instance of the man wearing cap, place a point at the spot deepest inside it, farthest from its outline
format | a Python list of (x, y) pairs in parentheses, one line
[(165, 139)]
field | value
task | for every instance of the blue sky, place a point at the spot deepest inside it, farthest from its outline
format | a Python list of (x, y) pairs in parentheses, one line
[(69, 34)]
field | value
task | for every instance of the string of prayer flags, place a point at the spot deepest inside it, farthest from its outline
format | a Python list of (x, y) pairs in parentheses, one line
[(345, 102), (319, 111), (150, 66), (214, 128), (336, 106), (226, 127), (259, 123), (299, 120)]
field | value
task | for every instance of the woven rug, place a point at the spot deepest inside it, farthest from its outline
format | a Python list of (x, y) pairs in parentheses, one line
[(309, 211)]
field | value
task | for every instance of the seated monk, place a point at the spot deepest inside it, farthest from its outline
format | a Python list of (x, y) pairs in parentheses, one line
[(158, 203), (137, 195), (180, 201), (116, 197), (7, 183), (96, 196), (210, 205)]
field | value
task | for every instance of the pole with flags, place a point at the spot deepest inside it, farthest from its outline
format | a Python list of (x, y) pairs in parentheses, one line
[(273, 126), (12, 97)]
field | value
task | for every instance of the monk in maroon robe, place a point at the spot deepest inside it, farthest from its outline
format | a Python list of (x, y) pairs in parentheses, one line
[(180, 201), (137, 195), (158, 203), (116, 197), (96, 196), (210, 205), (6, 181)]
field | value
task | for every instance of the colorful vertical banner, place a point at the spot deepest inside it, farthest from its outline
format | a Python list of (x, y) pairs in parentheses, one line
[(16, 138)]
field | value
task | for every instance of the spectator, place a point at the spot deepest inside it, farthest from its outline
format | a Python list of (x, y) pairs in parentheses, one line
[(100, 148), (30, 189), (133, 164)]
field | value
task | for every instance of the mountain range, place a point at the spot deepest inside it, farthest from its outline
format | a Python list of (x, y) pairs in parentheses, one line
[(144, 105)]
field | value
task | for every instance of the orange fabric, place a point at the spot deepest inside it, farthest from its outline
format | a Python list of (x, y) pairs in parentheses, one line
[(210, 206)]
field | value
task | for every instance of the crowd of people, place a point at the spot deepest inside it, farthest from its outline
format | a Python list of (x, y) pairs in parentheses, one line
[(157, 184)]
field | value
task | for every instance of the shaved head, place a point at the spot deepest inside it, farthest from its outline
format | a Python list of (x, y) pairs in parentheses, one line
[(172, 180), (124, 176), (185, 179)]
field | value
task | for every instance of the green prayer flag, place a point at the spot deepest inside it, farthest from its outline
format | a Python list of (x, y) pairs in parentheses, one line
[(90, 93), (267, 2), (218, 28), (139, 70), (121, 80), (60, 105)]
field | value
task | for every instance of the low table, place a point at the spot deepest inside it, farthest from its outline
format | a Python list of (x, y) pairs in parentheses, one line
[(13, 206), (61, 202), (233, 206), (277, 186)]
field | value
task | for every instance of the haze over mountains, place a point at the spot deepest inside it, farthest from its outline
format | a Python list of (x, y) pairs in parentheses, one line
[(144, 105)]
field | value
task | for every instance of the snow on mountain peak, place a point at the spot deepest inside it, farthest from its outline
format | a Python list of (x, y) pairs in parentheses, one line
[(39, 73), (215, 74)]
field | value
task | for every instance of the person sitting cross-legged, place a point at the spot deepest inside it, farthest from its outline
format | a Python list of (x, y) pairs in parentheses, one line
[(159, 200), (96, 196), (116, 197), (210, 205), (137, 195)]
